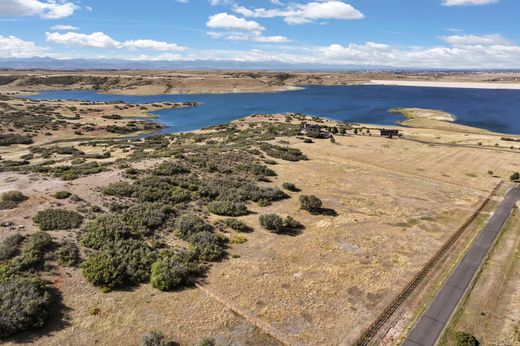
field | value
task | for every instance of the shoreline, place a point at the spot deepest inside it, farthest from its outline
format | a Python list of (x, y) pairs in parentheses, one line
[(454, 85)]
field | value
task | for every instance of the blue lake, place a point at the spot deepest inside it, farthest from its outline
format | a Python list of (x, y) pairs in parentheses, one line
[(496, 110)]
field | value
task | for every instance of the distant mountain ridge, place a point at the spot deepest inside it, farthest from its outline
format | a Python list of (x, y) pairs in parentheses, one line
[(48, 63)]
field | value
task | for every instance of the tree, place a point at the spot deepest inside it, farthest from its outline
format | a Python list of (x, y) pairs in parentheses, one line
[(515, 176), (310, 203)]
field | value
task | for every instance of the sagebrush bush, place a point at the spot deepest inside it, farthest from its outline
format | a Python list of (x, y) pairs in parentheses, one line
[(169, 168), (68, 254), (465, 339), (272, 222), (9, 246), (310, 203), (57, 219), (33, 252), (188, 224), (174, 269), (237, 225), (147, 217), (24, 305), (227, 208), (62, 195), (104, 229), (290, 223), (11, 199), (103, 270), (119, 189), (208, 246), (290, 187), (119, 263), (14, 196), (207, 341), (155, 339)]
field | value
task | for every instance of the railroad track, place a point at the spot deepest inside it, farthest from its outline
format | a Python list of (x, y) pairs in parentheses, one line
[(372, 331)]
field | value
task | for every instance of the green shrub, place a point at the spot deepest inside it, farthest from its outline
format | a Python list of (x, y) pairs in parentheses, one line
[(105, 229), (277, 224), (179, 195), (290, 187), (174, 269), (11, 138), (33, 252), (189, 224), (147, 217), (57, 219), (272, 222), (207, 341), (103, 270), (119, 263), (291, 223), (227, 208), (515, 176), (155, 339), (119, 189), (207, 246), (284, 153), (465, 339), (11, 199), (9, 246), (13, 196), (169, 168), (62, 195), (310, 203), (68, 254), (24, 305), (237, 225)]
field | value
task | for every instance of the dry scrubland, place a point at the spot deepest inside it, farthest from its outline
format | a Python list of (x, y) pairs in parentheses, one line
[(163, 82), (395, 202)]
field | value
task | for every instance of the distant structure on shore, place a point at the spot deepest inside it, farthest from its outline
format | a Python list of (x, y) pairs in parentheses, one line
[(390, 133), (315, 131)]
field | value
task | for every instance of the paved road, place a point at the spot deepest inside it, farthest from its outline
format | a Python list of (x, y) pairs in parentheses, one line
[(432, 323)]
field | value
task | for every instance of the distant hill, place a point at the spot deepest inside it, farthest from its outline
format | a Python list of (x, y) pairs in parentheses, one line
[(117, 64)]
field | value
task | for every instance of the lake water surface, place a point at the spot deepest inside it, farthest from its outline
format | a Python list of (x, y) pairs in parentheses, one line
[(496, 110)]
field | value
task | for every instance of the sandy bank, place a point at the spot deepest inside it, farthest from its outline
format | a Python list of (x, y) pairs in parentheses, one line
[(463, 85)]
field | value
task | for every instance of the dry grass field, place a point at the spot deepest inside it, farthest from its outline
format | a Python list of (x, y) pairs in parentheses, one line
[(392, 203), (173, 82)]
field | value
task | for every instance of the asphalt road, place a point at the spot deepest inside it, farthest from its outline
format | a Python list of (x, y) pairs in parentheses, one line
[(432, 323)]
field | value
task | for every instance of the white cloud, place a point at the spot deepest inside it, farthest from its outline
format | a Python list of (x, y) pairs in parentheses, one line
[(102, 40), (64, 27), (467, 2), (49, 9), (255, 36), (468, 40), (469, 51), (151, 44), (220, 2), (230, 22), (13, 47), (96, 39), (305, 13)]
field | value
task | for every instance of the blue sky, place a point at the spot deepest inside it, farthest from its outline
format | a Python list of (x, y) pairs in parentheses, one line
[(400, 33)]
